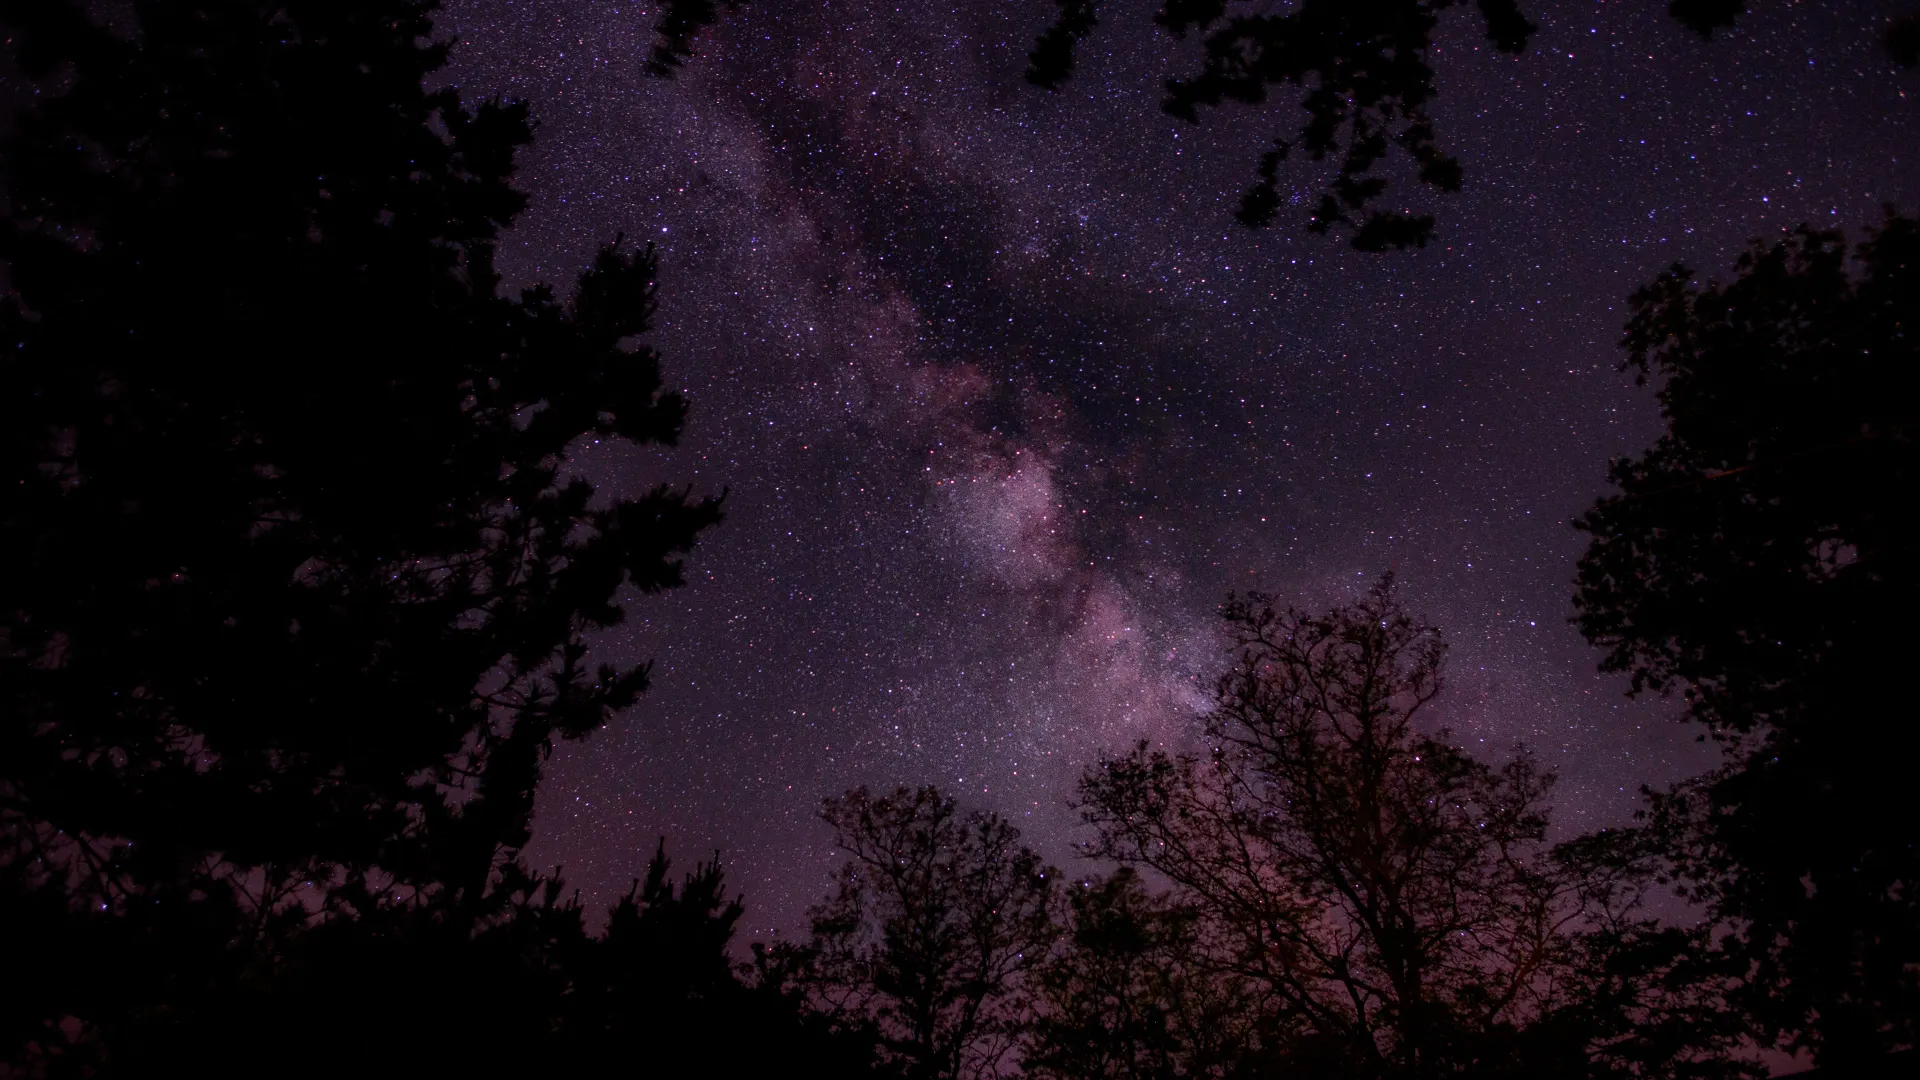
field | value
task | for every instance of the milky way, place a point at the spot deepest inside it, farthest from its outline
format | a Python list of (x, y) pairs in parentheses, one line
[(1005, 403)]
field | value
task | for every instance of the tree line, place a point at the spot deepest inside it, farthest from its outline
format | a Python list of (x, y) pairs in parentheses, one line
[(298, 593), (1325, 889)]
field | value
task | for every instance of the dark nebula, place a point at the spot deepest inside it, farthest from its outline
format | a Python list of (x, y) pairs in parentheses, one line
[(1006, 402)]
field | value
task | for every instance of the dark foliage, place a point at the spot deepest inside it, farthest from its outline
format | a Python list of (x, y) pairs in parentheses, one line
[(1762, 557), (658, 987), (298, 590), (1360, 68), (681, 21), (1903, 40), (1703, 17), (1902, 36), (1380, 903), (928, 941), (1051, 60), (1128, 996), (409, 990)]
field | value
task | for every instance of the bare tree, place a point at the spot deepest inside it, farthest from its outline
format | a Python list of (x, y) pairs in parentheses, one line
[(1393, 899)]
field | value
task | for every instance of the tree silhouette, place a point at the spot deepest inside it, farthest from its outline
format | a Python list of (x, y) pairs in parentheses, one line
[(660, 983), (1360, 67), (1360, 70), (1761, 558), (405, 989), (1703, 17), (937, 920), (1903, 40), (1390, 900), (681, 21), (1126, 997), (298, 587)]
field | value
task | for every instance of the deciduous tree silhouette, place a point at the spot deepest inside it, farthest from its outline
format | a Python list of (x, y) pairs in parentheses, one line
[(938, 919), (1127, 994), (298, 587), (1391, 899), (1360, 69), (1761, 557)]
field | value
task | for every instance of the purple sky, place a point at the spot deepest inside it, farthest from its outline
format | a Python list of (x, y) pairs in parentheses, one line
[(1006, 402)]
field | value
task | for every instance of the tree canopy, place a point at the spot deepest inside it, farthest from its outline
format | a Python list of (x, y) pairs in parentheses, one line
[(1361, 71), (938, 917), (299, 589), (1761, 559), (1386, 904)]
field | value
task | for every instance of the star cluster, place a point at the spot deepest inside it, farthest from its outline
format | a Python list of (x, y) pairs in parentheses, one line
[(1005, 403)]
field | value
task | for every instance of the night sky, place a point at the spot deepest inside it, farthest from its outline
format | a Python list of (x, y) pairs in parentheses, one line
[(1006, 402)]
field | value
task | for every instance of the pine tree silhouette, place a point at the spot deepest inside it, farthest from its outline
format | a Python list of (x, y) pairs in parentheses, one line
[(298, 587)]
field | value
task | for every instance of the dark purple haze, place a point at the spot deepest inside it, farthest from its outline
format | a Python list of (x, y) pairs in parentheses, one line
[(1006, 402)]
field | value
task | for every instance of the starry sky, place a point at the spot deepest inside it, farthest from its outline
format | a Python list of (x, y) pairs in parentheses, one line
[(1005, 402)]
